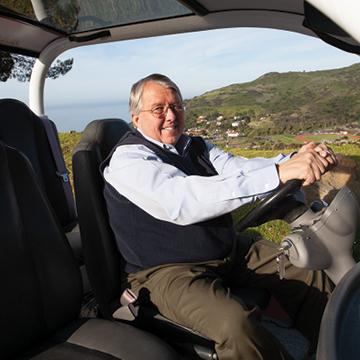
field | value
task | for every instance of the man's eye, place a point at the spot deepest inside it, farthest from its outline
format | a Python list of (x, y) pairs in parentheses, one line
[(158, 109)]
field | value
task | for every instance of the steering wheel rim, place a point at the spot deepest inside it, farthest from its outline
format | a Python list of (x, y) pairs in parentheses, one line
[(267, 203)]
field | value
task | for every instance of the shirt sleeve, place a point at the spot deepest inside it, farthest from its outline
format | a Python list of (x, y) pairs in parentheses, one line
[(167, 193), (225, 162)]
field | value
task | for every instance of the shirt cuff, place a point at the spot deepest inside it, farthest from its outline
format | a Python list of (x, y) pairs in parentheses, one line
[(264, 180)]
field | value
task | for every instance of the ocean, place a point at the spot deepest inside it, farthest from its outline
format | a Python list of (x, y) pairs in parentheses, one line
[(74, 117)]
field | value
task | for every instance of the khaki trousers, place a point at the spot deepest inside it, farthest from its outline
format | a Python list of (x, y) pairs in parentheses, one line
[(199, 297)]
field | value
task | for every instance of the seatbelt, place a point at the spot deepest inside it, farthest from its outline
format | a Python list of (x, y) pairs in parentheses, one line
[(61, 170), (129, 308)]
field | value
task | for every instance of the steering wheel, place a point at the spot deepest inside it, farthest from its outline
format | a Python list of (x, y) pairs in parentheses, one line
[(268, 203)]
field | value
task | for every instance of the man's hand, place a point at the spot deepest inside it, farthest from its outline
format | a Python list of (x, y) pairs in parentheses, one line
[(308, 164), (324, 151)]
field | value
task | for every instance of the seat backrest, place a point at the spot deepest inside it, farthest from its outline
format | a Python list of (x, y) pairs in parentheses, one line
[(103, 261), (22, 129), (41, 287)]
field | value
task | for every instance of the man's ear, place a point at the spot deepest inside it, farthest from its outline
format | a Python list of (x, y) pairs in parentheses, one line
[(135, 120)]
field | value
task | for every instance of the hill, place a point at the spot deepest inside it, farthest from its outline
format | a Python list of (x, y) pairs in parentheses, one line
[(285, 102)]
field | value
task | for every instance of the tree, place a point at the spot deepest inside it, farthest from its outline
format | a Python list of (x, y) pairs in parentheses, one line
[(19, 67)]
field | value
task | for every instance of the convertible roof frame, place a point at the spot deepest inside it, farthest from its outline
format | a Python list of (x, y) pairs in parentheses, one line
[(195, 6), (27, 36)]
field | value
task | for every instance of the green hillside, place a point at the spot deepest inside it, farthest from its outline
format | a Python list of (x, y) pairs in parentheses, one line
[(286, 102)]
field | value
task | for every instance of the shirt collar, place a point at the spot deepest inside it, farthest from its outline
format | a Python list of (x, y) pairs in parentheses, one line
[(179, 148)]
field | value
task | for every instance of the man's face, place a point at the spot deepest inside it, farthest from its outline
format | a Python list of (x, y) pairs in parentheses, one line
[(166, 128)]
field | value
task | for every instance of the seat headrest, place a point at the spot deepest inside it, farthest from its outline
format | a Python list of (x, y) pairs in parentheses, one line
[(19, 128), (105, 133), (24, 130)]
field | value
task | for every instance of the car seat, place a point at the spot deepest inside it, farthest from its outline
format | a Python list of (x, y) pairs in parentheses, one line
[(41, 287), (22, 129)]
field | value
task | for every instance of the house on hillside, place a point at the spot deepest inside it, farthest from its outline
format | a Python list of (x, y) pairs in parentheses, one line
[(197, 132), (201, 119), (245, 119), (232, 134)]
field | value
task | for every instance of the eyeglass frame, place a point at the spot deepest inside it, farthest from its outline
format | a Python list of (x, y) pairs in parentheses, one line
[(175, 108)]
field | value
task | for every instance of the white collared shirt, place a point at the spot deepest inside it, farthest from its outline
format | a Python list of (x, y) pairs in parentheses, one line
[(167, 193)]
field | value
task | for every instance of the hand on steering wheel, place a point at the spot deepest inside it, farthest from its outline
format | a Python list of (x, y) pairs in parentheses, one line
[(308, 164)]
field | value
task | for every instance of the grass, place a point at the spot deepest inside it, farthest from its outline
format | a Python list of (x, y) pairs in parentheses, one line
[(249, 153), (322, 137), (286, 139), (274, 230), (350, 150), (68, 142)]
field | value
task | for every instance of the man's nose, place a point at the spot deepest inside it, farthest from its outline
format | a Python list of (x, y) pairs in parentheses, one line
[(170, 113)]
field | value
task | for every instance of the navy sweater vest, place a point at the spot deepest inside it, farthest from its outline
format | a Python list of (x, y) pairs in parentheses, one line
[(145, 241)]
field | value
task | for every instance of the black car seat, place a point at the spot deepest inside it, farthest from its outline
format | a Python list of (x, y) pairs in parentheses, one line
[(22, 129), (41, 288), (103, 261), (102, 258)]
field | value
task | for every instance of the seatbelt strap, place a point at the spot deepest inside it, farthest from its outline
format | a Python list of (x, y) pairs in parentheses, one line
[(61, 170), (129, 308)]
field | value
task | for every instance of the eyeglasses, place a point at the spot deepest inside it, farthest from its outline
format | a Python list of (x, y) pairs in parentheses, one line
[(161, 110)]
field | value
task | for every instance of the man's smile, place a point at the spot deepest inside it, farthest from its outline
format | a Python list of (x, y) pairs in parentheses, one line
[(171, 127)]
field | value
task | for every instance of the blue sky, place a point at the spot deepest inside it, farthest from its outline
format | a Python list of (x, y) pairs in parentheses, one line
[(197, 62)]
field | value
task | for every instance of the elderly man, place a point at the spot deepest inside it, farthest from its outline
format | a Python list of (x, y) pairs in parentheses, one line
[(169, 198)]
